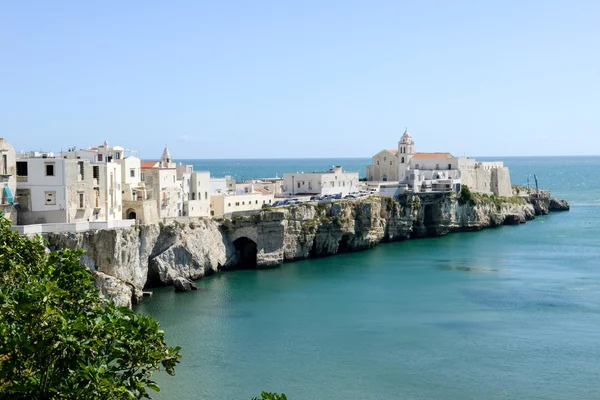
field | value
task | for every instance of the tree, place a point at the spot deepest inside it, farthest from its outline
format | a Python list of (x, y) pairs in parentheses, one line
[(59, 339)]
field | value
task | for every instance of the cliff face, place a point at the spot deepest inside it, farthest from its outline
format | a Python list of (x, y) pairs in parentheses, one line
[(127, 260)]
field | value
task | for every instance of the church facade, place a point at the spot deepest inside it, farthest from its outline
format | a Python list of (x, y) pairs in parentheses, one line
[(422, 171)]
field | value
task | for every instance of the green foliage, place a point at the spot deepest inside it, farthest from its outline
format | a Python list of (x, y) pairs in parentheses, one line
[(466, 196), (60, 340), (271, 396)]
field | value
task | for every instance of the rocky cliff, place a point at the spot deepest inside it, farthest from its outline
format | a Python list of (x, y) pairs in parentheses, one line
[(127, 260)]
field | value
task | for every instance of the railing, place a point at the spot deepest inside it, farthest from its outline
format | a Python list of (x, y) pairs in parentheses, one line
[(72, 227)]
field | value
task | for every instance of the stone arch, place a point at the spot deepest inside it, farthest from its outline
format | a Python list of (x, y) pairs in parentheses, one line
[(130, 213), (246, 252)]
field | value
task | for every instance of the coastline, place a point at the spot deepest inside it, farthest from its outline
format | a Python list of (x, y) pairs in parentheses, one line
[(125, 261)]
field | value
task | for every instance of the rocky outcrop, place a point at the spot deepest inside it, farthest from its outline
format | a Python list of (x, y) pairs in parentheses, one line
[(127, 260), (558, 205), (184, 285)]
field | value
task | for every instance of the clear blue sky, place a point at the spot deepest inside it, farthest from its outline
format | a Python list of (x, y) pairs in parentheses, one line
[(253, 79)]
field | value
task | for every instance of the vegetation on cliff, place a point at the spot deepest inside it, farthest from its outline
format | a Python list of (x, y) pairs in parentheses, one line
[(60, 340), (467, 197)]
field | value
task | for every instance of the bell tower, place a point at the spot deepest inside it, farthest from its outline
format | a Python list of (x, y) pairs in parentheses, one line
[(406, 150)]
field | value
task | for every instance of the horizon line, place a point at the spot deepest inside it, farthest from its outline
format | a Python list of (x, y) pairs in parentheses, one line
[(363, 158)]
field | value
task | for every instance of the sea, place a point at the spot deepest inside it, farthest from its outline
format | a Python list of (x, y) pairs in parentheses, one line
[(505, 313)]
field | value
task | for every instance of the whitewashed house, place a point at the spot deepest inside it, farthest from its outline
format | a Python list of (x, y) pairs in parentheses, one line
[(333, 181), (225, 204), (64, 189)]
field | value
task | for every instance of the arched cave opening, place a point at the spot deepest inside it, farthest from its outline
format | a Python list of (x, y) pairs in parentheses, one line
[(245, 251), (432, 218), (131, 214), (344, 244)]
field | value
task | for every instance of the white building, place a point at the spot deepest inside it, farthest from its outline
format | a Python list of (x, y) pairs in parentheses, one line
[(226, 204), (8, 181), (222, 185), (195, 191), (272, 185), (66, 189), (174, 191), (333, 181), (429, 171)]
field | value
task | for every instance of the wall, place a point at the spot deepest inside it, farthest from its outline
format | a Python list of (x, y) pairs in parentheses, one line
[(321, 182), (501, 184), (434, 163), (384, 167), (227, 204), (8, 180)]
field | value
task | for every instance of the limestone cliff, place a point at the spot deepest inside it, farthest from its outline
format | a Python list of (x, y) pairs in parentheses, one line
[(129, 259)]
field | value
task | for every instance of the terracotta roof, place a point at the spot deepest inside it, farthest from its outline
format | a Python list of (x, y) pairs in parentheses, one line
[(261, 190), (393, 151), (432, 155), (148, 164)]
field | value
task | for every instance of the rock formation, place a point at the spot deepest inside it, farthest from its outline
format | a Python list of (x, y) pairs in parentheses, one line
[(129, 259)]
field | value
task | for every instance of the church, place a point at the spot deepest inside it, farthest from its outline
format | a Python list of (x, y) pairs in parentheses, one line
[(420, 172)]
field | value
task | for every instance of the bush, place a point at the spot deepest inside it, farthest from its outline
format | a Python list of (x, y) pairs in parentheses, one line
[(270, 396), (60, 340), (466, 196)]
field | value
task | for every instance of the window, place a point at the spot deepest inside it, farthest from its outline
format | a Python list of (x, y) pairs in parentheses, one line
[(237, 203), (193, 195), (143, 177), (402, 160), (255, 201), (449, 166), (228, 204), (80, 168), (205, 196), (298, 185), (80, 196), (4, 164), (21, 168), (243, 203), (437, 166), (49, 169), (377, 162), (100, 157), (390, 163), (96, 172), (132, 172), (50, 198), (384, 158), (264, 202)]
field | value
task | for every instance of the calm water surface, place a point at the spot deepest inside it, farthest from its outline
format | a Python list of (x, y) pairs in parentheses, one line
[(506, 313)]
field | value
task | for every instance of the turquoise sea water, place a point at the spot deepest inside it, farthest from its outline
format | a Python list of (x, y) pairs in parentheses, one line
[(506, 313)]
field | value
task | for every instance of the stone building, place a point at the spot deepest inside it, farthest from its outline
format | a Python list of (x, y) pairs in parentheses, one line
[(173, 191), (423, 171), (8, 181), (64, 189), (226, 204), (333, 181)]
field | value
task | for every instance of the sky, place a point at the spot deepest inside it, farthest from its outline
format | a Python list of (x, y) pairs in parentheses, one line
[(301, 79)]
